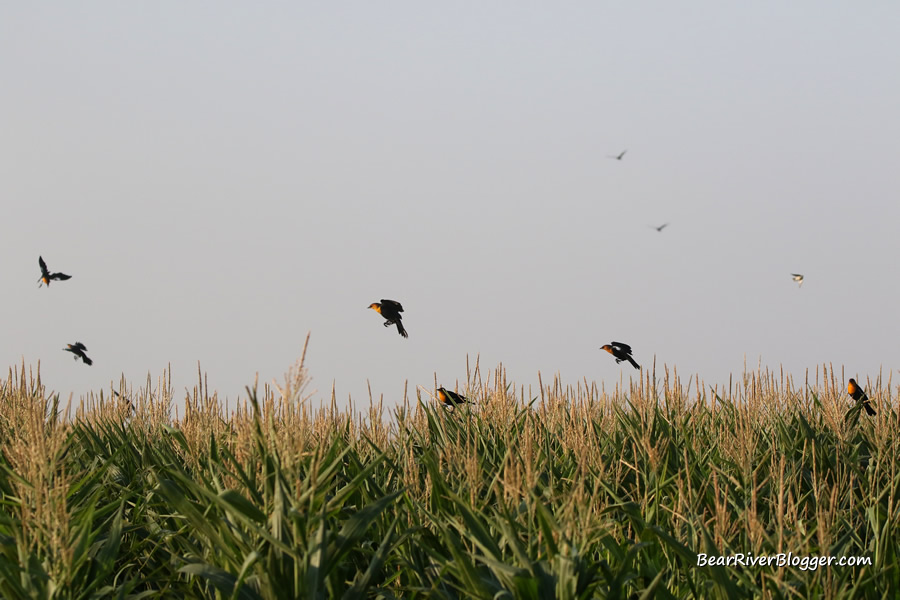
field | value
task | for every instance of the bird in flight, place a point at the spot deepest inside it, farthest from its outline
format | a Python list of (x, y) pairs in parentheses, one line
[(451, 399), (390, 310), (660, 228), (798, 278), (47, 276), (79, 349), (621, 352), (618, 156), (860, 396)]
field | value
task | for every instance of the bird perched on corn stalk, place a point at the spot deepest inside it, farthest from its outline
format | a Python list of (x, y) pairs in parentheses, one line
[(451, 399), (857, 393)]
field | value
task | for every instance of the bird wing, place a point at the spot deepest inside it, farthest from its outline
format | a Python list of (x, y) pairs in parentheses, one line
[(60, 276), (43, 265), (663, 226), (623, 347), (391, 305), (79, 346), (453, 396)]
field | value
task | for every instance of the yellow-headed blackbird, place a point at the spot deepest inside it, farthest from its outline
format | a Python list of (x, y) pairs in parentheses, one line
[(47, 276), (860, 396), (390, 310), (620, 155), (798, 278), (79, 349), (621, 352), (451, 398)]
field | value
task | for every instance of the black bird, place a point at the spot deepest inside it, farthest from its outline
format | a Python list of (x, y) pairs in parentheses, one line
[(621, 352), (451, 398), (390, 310), (79, 349), (619, 156), (47, 276), (661, 227), (860, 396)]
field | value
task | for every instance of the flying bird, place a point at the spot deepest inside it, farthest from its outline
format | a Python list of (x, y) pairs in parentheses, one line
[(660, 228), (390, 310), (79, 349), (621, 352), (451, 398), (798, 278), (860, 396), (47, 276), (618, 156)]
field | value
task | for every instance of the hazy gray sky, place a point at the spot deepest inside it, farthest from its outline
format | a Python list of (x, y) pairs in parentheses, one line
[(221, 178)]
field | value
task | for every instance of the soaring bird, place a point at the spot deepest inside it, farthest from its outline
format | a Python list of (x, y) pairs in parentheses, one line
[(451, 398), (79, 349), (860, 396), (47, 276), (798, 278), (621, 352), (390, 310), (619, 156), (661, 227)]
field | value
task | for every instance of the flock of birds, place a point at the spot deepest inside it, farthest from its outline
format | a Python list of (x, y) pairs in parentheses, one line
[(78, 349), (391, 311)]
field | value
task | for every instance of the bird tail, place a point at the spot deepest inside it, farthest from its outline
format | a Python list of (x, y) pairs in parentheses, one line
[(633, 364), (401, 329), (86, 360), (868, 406)]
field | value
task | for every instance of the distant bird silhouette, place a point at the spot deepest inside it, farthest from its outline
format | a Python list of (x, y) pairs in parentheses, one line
[(621, 352), (860, 396), (618, 156), (798, 278), (390, 310), (451, 398), (47, 276), (79, 349), (661, 227)]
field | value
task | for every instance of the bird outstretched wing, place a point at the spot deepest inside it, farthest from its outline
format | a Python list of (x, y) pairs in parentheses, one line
[(391, 305), (623, 347)]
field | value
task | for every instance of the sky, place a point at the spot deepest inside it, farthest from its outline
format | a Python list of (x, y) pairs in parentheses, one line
[(222, 178)]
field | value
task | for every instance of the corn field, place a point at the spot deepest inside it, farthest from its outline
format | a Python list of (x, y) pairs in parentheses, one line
[(573, 493)]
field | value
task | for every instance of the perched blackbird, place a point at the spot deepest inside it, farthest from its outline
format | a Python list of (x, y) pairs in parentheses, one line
[(451, 398), (860, 396)]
